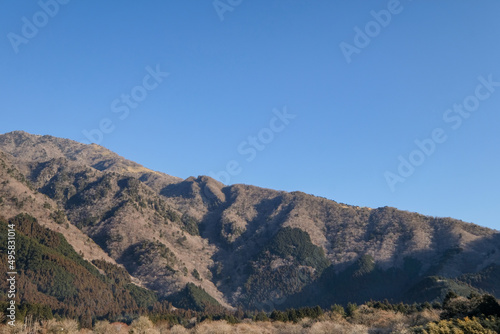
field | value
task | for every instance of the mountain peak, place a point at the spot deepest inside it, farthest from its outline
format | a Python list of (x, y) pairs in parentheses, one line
[(242, 244), (38, 148)]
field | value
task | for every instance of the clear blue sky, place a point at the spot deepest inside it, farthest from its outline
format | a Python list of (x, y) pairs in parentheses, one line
[(353, 120)]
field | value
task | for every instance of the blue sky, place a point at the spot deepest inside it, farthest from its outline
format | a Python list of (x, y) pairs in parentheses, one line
[(352, 115)]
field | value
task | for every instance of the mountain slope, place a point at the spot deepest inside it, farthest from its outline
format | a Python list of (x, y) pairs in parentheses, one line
[(18, 195), (247, 245), (52, 274)]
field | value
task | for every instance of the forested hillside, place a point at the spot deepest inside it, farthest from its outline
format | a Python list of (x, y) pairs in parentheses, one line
[(200, 244)]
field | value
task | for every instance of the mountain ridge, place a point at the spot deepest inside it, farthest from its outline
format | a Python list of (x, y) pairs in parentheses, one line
[(168, 232)]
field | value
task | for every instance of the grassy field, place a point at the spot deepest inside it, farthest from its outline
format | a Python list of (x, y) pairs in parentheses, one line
[(362, 320)]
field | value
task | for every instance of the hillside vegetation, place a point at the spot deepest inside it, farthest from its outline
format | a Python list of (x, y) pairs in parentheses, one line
[(478, 314), (140, 237)]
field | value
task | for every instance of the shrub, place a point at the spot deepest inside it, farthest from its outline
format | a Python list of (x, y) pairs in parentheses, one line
[(457, 326), (178, 329), (104, 327), (261, 316), (338, 309), (66, 326), (196, 274), (351, 309), (143, 325)]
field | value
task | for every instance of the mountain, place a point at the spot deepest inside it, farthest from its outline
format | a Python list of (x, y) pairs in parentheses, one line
[(54, 277), (199, 242)]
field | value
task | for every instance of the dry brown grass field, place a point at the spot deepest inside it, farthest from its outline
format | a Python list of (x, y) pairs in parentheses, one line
[(365, 320)]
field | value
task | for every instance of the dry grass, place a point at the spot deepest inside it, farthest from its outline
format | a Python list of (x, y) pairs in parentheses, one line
[(305, 327), (144, 326), (365, 320)]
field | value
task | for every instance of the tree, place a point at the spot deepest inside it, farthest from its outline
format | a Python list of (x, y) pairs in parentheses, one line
[(339, 309), (261, 316), (86, 320), (488, 306), (351, 309)]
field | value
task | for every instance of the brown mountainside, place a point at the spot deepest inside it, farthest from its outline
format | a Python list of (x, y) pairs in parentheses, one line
[(243, 244)]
